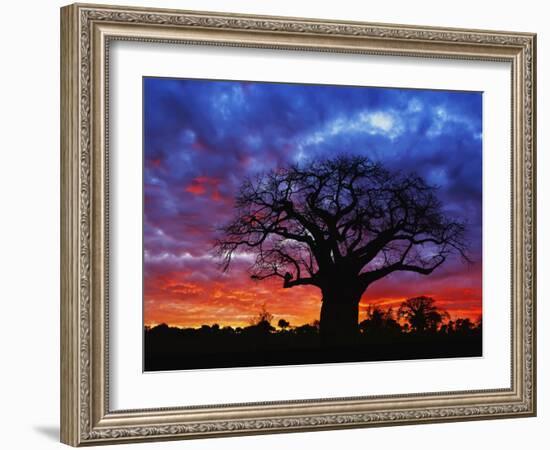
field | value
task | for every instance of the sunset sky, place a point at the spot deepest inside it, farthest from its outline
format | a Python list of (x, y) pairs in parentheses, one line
[(202, 138)]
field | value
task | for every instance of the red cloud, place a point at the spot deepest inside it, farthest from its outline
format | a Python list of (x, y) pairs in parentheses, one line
[(216, 196), (235, 300), (197, 189), (194, 291), (200, 185)]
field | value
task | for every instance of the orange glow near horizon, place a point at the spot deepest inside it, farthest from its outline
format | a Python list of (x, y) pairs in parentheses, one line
[(234, 300)]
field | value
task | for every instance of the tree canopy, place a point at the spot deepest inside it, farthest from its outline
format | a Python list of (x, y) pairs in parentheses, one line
[(346, 215)]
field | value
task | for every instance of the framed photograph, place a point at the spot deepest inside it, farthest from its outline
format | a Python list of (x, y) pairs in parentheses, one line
[(276, 224)]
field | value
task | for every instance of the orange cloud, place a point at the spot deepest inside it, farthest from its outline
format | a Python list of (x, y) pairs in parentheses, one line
[(200, 293), (234, 301)]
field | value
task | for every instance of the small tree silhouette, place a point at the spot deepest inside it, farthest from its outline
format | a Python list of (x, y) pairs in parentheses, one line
[(464, 325), (422, 314), (262, 320), (379, 321), (263, 316), (341, 225), (283, 324)]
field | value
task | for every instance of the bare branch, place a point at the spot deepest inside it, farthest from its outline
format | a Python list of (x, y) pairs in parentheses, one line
[(346, 212)]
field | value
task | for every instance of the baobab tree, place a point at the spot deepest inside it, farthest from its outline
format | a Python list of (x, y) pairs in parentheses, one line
[(339, 224)]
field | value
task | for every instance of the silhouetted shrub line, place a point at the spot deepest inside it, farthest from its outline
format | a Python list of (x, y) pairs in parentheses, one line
[(424, 332)]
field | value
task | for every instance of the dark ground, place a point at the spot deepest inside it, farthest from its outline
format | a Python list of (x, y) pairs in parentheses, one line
[(211, 347)]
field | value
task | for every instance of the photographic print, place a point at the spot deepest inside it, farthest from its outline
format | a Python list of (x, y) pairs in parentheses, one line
[(303, 223)]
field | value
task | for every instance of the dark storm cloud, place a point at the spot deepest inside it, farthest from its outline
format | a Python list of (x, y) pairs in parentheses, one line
[(203, 137)]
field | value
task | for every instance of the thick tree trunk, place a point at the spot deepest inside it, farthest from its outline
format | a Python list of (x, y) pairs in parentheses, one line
[(339, 316)]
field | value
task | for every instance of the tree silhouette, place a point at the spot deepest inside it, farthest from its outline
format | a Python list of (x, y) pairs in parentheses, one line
[(283, 324), (422, 314), (262, 321), (263, 316), (464, 325), (379, 321), (339, 224)]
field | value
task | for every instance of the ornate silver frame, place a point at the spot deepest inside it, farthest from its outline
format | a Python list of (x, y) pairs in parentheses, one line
[(86, 31)]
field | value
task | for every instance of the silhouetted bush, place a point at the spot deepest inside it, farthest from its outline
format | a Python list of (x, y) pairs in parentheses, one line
[(384, 335)]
